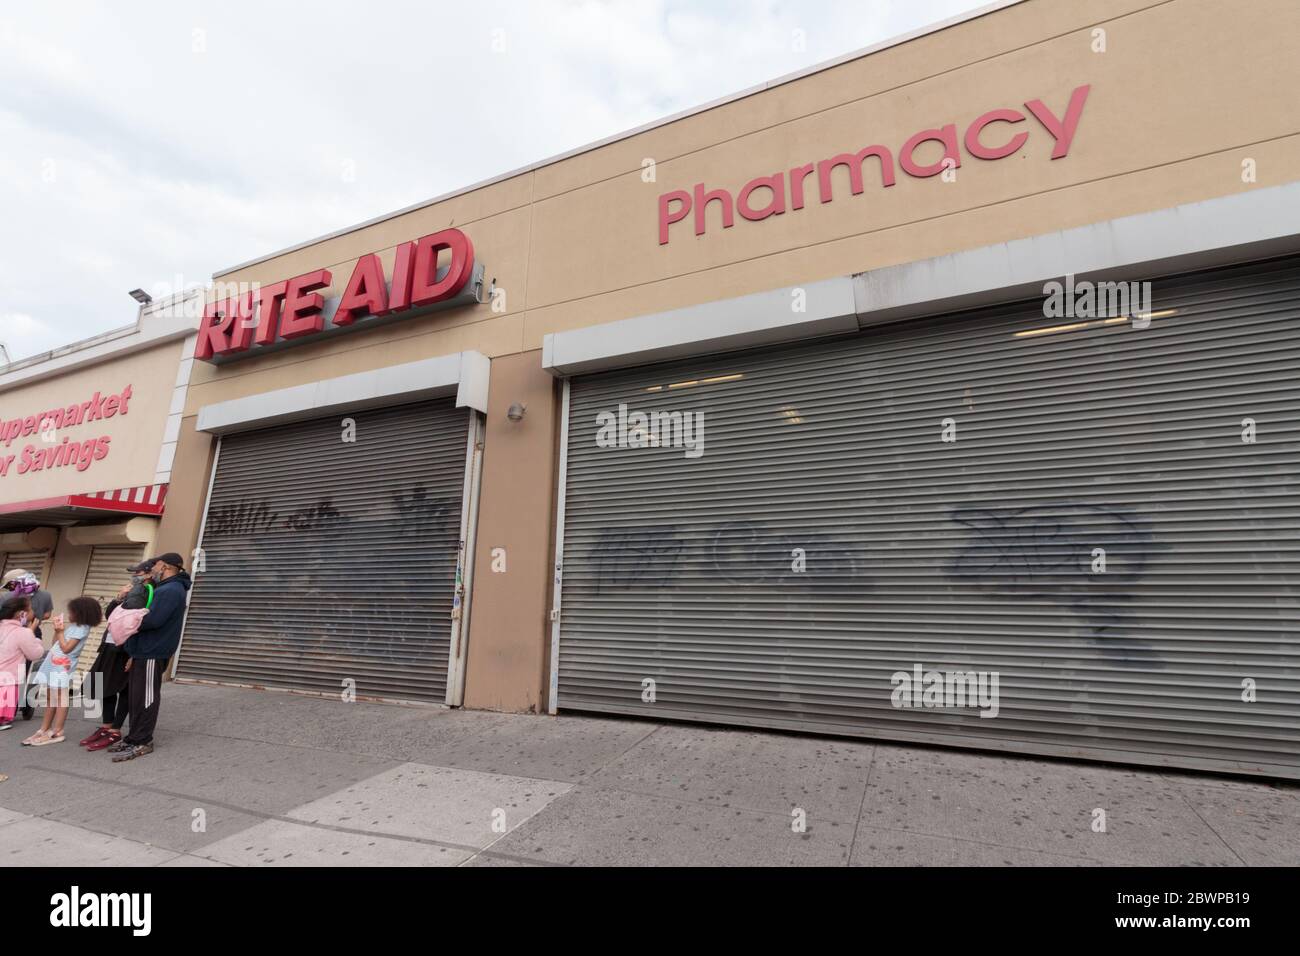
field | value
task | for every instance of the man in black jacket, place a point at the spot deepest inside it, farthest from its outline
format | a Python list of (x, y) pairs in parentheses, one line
[(149, 649)]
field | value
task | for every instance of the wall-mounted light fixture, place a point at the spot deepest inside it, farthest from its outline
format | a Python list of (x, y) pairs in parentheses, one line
[(144, 298), (516, 412)]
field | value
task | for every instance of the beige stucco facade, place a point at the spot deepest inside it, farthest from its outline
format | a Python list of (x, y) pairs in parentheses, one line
[(1181, 100), (92, 430), (135, 392)]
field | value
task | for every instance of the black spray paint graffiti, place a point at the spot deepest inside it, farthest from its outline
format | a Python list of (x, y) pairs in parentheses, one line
[(241, 518), (400, 620), (632, 557), (322, 516), (368, 629), (255, 518), (415, 512), (750, 552), (1041, 552), (1049, 551), (362, 633), (739, 552)]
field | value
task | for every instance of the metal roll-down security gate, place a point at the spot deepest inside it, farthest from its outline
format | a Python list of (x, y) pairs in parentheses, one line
[(338, 563), (1093, 523)]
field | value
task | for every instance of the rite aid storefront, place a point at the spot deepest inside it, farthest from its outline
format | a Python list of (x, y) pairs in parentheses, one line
[(773, 413), (338, 516), (87, 439)]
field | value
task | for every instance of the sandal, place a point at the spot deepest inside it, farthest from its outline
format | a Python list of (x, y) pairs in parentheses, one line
[(51, 737), (34, 738)]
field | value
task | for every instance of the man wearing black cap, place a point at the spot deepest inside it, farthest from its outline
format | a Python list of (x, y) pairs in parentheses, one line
[(149, 649)]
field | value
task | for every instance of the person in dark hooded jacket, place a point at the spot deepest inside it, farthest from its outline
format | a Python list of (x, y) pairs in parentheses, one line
[(149, 648)]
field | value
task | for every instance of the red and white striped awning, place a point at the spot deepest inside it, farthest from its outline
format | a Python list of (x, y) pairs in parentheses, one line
[(140, 500), (69, 509)]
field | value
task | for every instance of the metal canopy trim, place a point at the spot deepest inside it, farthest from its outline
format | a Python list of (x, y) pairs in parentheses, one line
[(461, 374), (1252, 225)]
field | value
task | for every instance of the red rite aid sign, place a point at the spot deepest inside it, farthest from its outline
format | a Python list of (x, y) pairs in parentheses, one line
[(46, 452), (271, 316), (786, 190)]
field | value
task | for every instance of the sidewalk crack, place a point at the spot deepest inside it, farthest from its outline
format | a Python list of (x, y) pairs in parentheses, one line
[(866, 788), (1183, 793)]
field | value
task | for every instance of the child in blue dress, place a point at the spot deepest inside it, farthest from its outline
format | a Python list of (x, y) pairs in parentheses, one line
[(60, 665)]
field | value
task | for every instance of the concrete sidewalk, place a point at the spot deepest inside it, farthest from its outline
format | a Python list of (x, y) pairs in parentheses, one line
[(249, 778)]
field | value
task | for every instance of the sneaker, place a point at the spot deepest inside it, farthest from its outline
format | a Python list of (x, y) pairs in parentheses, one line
[(118, 747), (130, 753), (6, 724), (109, 740), (50, 737), (99, 732)]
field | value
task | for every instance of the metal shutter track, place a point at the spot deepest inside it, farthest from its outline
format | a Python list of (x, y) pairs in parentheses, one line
[(967, 556), (104, 578), (327, 561)]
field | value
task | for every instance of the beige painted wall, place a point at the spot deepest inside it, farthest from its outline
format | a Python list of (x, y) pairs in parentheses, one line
[(135, 437), (509, 623), (1184, 93), (67, 574), (178, 529)]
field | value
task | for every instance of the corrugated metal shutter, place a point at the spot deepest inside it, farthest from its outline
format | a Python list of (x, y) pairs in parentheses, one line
[(327, 561), (105, 576), (978, 555), (37, 562)]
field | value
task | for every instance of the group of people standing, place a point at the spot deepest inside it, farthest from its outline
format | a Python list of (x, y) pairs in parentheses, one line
[(143, 632)]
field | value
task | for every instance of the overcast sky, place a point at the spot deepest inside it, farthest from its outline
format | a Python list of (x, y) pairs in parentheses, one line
[(149, 144)]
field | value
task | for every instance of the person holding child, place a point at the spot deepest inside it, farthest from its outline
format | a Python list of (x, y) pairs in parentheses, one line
[(59, 666), (155, 641), (111, 677)]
